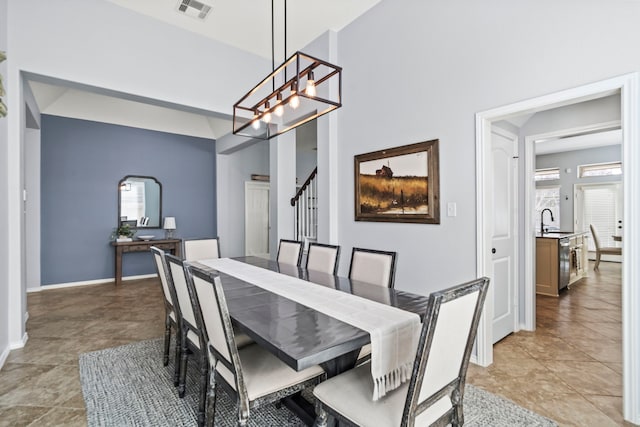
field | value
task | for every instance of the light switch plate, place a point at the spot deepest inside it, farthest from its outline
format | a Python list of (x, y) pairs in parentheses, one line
[(451, 209)]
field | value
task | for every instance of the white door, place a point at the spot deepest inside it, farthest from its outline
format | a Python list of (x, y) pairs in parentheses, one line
[(503, 234), (256, 223)]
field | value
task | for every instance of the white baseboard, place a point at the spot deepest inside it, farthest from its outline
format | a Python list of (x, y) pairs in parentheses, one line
[(3, 356), (19, 344), (89, 282)]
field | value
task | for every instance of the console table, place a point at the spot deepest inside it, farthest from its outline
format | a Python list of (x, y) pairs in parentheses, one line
[(170, 245)]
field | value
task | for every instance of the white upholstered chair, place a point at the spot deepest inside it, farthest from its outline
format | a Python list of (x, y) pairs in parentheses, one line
[(189, 333), (289, 252), (170, 320), (376, 267), (195, 249), (434, 394), (251, 374), (602, 250), (372, 266), (323, 258)]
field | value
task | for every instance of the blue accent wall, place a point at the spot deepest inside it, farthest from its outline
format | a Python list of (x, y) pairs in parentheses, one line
[(82, 163)]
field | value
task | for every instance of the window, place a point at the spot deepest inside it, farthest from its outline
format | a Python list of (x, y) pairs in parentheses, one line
[(602, 208), (600, 169), (547, 174), (548, 198)]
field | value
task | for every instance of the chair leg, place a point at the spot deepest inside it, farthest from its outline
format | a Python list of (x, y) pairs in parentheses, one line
[(321, 418), (183, 365), (176, 372), (167, 340), (211, 398), (595, 267), (202, 401)]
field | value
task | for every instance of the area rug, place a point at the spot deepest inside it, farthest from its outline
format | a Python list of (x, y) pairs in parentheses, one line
[(128, 386)]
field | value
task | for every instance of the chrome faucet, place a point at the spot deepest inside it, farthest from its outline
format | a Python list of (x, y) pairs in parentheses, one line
[(542, 219)]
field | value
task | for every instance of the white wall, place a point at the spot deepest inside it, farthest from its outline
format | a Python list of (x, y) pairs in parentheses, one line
[(32, 215), (96, 43), (431, 68)]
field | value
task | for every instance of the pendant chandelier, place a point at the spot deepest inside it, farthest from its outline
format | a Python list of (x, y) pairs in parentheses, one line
[(301, 89)]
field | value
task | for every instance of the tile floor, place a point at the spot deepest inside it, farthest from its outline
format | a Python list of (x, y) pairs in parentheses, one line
[(568, 370)]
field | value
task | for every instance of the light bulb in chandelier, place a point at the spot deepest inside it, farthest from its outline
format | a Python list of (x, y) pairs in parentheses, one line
[(267, 113), (279, 110), (294, 101), (310, 90), (255, 122)]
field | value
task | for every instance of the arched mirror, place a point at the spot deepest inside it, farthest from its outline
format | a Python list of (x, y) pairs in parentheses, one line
[(139, 201)]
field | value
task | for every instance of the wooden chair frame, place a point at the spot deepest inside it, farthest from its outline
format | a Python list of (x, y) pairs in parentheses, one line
[(185, 344), (169, 307), (455, 389), (240, 391), (295, 242)]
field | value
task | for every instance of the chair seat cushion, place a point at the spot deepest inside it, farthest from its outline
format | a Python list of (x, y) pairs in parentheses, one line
[(350, 394), (264, 373), (172, 316)]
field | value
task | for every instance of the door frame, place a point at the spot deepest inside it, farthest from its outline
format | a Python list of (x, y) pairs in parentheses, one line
[(628, 86)]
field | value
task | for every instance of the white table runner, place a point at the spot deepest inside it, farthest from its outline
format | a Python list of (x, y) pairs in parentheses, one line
[(394, 332)]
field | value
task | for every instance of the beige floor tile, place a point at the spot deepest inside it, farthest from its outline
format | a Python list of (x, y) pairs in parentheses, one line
[(67, 417), (19, 416)]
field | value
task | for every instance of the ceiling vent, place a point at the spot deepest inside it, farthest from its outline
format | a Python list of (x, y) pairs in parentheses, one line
[(194, 8)]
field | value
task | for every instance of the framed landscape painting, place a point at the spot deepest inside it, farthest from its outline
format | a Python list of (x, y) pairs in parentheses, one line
[(399, 184)]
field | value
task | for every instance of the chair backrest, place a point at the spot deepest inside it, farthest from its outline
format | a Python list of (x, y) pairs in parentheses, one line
[(372, 266), (216, 329), (178, 275), (442, 358), (596, 239), (289, 252), (195, 249), (323, 258), (165, 277)]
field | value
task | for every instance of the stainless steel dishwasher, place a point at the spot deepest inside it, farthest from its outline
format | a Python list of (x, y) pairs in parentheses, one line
[(563, 257)]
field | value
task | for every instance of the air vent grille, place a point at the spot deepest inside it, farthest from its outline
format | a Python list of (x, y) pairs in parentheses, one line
[(194, 8)]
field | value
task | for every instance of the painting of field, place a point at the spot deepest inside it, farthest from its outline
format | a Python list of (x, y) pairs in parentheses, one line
[(398, 184), (396, 195)]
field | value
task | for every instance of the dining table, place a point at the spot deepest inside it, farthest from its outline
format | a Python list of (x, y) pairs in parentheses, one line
[(301, 336)]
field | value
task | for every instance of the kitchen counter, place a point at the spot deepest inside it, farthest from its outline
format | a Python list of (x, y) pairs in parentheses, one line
[(561, 260), (560, 234)]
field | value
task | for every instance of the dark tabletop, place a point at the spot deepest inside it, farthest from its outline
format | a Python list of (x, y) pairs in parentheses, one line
[(299, 335)]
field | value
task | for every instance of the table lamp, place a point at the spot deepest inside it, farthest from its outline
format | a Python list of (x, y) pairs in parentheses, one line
[(169, 226)]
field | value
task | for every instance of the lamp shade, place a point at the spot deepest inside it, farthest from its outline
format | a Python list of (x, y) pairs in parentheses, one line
[(169, 223)]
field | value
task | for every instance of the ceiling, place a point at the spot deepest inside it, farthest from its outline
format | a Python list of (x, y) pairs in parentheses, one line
[(244, 24)]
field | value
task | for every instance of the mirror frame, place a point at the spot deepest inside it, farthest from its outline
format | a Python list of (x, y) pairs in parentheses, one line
[(119, 222)]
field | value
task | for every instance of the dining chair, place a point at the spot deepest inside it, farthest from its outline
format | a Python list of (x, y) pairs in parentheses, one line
[(195, 249), (434, 394), (171, 316), (373, 266), (189, 333), (289, 252), (376, 267), (602, 250), (323, 258), (252, 375)]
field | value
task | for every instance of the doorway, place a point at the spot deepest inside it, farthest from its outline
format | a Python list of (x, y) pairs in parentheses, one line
[(630, 103), (256, 220)]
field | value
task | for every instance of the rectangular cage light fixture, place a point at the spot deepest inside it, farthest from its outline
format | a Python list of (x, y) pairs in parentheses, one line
[(302, 89)]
